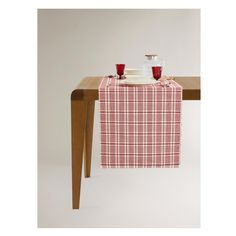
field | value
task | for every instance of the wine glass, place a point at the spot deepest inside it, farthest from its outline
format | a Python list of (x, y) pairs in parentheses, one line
[(120, 70), (156, 72)]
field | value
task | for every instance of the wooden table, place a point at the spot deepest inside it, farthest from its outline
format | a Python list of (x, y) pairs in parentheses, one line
[(82, 114)]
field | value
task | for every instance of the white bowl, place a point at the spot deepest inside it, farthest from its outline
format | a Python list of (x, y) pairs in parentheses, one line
[(129, 71)]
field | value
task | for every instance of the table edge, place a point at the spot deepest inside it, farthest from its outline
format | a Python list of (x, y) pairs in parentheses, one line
[(92, 94)]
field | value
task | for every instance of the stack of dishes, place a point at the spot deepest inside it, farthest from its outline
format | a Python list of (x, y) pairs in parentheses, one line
[(135, 76), (133, 72)]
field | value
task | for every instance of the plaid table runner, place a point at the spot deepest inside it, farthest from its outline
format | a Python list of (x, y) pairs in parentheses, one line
[(140, 125)]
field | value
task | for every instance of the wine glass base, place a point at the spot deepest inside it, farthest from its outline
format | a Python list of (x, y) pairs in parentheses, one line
[(122, 77)]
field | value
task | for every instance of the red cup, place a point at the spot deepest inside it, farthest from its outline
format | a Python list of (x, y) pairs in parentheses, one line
[(156, 72), (120, 68)]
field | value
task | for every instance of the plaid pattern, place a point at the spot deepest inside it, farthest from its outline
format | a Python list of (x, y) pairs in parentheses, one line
[(140, 125)]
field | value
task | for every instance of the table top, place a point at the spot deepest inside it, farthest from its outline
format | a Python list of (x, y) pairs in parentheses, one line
[(87, 89)]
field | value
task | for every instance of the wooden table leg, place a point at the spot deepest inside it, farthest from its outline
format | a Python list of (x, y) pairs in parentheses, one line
[(88, 138), (78, 123)]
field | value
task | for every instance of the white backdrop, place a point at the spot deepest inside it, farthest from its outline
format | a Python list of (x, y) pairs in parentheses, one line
[(73, 44)]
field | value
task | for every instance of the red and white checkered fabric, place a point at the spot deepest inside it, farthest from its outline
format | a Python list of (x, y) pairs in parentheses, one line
[(140, 125)]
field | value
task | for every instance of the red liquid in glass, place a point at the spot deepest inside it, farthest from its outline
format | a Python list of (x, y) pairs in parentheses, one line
[(156, 72), (120, 69)]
